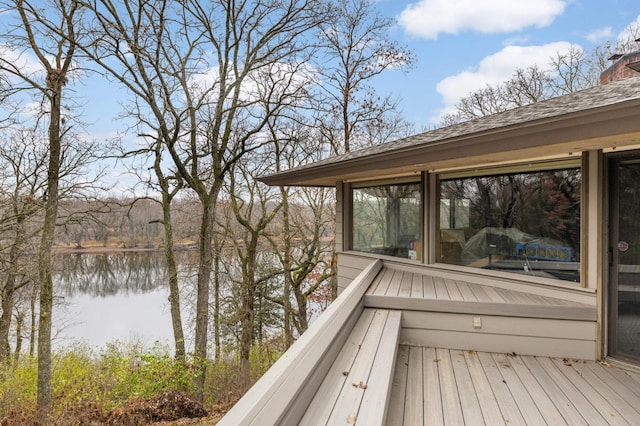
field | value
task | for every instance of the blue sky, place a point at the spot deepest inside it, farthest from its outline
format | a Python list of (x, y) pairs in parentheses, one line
[(459, 45), (462, 45)]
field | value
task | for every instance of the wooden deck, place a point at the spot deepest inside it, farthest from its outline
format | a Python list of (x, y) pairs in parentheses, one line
[(440, 386), (377, 357)]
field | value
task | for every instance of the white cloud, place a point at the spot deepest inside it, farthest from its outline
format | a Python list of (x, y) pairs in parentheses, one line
[(495, 69), (24, 62), (516, 40), (429, 18), (600, 34)]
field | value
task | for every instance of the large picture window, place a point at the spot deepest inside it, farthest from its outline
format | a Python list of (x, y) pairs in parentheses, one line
[(527, 223), (387, 220)]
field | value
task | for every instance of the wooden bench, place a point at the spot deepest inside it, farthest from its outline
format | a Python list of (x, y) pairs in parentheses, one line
[(357, 386)]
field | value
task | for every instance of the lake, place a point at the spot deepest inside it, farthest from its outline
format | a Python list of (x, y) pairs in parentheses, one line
[(101, 298)]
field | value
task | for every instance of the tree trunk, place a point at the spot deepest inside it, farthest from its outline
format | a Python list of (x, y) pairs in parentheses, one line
[(34, 321), (216, 298), (174, 289), (55, 81), (334, 276), (286, 266), (19, 323), (301, 300), (10, 287), (204, 278), (248, 313), (5, 318)]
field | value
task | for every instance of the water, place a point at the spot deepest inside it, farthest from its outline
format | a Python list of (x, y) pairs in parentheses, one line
[(102, 298)]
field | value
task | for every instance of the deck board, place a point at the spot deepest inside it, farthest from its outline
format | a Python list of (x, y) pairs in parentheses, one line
[(431, 384), (453, 290), (417, 287), (466, 292), (428, 287), (625, 379), (469, 399), (413, 410), (394, 285), (624, 401), (487, 398), (397, 282), (357, 385), (332, 384), (597, 401), (420, 290), (441, 288), (374, 405), (397, 399), (526, 389), (553, 385), (451, 405), (357, 377), (385, 281), (373, 288), (504, 387), (406, 285)]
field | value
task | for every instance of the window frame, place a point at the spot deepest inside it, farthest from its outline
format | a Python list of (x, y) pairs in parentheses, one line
[(573, 162), (413, 179)]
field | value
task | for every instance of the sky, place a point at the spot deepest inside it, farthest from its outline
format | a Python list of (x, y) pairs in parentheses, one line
[(463, 45), (459, 45)]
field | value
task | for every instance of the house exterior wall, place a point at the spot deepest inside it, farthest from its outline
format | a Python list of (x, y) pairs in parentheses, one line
[(503, 334), (592, 234), (534, 336)]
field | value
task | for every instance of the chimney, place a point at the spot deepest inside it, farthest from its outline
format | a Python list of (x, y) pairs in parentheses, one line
[(624, 66)]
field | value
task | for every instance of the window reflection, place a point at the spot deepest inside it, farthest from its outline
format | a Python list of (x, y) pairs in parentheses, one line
[(525, 222), (386, 220)]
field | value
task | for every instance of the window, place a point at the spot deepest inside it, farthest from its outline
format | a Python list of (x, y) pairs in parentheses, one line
[(387, 220), (527, 223)]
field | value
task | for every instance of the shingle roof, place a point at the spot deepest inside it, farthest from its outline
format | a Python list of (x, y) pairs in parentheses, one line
[(598, 97)]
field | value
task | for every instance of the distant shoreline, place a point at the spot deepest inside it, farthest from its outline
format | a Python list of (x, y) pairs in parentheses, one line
[(116, 249)]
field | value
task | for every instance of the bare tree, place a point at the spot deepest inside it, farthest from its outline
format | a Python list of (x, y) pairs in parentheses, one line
[(254, 211), (524, 87), (23, 161), (574, 70), (37, 33), (357, 48), (191, 68), (568, 72), (303, 244)]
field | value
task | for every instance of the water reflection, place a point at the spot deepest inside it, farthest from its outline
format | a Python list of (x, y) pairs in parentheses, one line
[(109, 274), (114, 296)]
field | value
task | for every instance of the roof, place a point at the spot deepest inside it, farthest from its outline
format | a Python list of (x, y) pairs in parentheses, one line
[(600, 117)]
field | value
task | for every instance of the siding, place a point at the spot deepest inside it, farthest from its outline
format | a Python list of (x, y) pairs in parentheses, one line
[(442, 310)]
